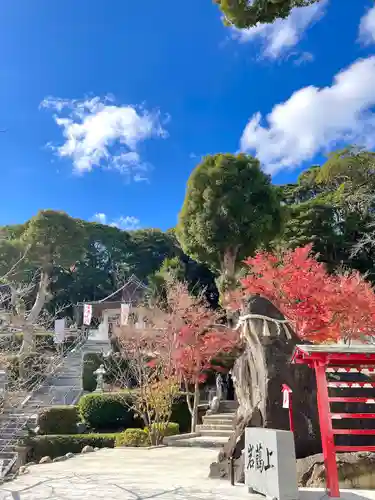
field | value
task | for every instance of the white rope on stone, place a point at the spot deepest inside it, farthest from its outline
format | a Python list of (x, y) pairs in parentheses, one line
[(266, 332)]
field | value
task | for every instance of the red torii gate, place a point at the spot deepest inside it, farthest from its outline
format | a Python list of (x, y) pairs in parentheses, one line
[(344, 359)]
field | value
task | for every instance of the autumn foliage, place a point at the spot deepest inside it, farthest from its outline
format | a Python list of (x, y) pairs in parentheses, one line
[(320, 306), (190, 335), (199, 333)]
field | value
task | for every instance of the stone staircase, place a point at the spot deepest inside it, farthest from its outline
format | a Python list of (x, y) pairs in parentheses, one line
[(63, 387), (214, 432)]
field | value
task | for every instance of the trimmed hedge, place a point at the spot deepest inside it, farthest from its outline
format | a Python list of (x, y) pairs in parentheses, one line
[(140, 437), (111, 412), (132, 437), (58, 420), (172, 428), (56, 446), (107, 411)]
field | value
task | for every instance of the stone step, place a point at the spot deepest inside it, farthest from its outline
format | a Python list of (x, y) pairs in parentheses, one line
[(215, 432), (217, 420), (226, 403), (6, 455), (199, 442), (62, 387), (7, 446), (6, 462), (12, 437), (224, 411), (215, 427)]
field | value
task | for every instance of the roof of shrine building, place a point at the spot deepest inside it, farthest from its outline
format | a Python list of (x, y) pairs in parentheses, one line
[(131, 292)]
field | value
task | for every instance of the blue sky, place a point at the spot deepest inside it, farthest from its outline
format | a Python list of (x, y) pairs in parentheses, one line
[(108, 106)]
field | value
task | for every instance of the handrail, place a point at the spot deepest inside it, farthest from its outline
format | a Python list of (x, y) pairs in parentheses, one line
[(41, 382)]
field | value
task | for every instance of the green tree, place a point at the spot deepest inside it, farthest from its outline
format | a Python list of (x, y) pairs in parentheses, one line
[(230, 208), (50, 240), (315, 221), (151, 248), (246, 14), (332, 206)]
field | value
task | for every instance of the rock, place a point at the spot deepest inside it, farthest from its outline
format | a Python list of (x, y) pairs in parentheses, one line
[(258, 375), (221, 470), (87, 449), (356, 470), (45, 460), (96, 449), (23, 470), (70, 455), (59, 459)]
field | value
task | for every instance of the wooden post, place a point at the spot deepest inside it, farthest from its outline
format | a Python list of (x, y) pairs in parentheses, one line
[(329, 452), (288, 403)]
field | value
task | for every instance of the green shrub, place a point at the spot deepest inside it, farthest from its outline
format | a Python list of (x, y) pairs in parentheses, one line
[(111, 412), (181, 414), (114, 365), (91, 362), (133, 437), (58, 420), (56, 446), (107, 411), (171, 430), (141, 437)]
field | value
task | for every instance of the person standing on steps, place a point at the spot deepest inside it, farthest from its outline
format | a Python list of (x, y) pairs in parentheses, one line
[(230, 387)]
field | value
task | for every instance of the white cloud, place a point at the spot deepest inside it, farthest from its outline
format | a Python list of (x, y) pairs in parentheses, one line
[(367, 27), (303, 58), (99, 133), (315, 119), (283, 34), (126, 223), (100, 217)]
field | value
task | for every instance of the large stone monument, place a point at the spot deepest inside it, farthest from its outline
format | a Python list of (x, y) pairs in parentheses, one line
[(258, 375), (270, 463)]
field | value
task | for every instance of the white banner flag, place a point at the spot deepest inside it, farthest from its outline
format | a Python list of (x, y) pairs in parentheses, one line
[(285, 398), (125, 308), (87, 314), (59, 331)]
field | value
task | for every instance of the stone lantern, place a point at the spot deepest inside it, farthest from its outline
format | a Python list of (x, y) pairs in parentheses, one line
[(99, 373)]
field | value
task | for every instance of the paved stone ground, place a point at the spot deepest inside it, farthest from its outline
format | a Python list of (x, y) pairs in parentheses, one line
[(126, 474), (136, 474)]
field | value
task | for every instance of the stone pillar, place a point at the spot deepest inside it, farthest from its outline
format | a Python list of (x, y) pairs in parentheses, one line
[(3, 386), (22, 452)]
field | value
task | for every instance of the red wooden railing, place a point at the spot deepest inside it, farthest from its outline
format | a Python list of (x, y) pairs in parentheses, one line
[(326, 416)]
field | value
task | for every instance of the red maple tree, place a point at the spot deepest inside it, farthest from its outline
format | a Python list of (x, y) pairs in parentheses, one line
[(199, 336), (320, 306)]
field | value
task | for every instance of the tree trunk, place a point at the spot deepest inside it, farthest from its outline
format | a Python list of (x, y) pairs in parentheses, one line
[(229, 262), (227, 279), (28, 343), (194, 414), (41, 298), (28, 346)]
